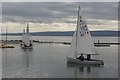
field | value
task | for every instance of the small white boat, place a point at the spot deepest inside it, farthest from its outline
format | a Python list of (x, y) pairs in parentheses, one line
[(27, 42), (82, 44)]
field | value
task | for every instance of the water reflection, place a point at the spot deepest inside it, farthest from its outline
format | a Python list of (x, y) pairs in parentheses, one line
[(27, 57), (81, 68), (4, 58), (78, 69)]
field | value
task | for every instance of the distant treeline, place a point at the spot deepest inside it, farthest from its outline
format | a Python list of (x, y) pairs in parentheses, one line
[(69, 33)]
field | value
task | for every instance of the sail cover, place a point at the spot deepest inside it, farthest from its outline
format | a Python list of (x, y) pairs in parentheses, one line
[(82, 42)]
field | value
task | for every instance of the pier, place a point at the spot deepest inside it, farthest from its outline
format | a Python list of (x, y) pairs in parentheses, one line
[(55, 42)]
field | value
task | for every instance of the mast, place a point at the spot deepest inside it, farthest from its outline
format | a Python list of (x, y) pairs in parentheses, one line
[(27, 30), (23, 35), (6, 35), (76, 42), (1, 37), (23, 31)]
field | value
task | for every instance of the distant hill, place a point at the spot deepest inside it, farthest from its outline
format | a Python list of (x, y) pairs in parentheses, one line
[(70, 33)]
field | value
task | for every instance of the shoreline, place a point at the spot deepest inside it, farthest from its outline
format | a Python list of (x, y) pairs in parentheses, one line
[(55, 42)]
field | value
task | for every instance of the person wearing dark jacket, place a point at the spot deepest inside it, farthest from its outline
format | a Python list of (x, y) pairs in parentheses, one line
[(81, 57)]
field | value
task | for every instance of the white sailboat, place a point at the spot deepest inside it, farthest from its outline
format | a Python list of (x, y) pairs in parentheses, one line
[(82, 44), (27, 42)]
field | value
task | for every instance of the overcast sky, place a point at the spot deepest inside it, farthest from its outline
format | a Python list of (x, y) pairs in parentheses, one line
[(58, 16)]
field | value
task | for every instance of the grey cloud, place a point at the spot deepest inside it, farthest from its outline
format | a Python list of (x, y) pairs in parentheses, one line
[(55, 11)]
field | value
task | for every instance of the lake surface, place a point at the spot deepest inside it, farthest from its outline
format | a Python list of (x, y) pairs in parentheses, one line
[(49, 60)]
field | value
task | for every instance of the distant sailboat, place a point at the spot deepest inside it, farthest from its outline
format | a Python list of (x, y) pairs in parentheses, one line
[(82, 44), (4, 43), (27, 42)]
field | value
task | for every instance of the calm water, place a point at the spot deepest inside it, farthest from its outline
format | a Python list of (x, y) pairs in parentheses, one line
[(49, 60)]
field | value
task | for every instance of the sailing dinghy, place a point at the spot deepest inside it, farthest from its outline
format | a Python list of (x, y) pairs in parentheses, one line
[(27, 42), (82, 44)]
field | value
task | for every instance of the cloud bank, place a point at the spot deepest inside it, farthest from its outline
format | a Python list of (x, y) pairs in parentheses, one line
[(58, 16)]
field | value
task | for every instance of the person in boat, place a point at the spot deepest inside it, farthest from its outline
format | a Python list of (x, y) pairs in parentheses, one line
[(88, 57), (30, 44), (81, 57), (22, 44), (25, 45)]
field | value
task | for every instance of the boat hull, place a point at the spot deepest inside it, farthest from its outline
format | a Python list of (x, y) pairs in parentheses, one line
[(30, 47), (7, 47), (26, 47), (85, 62)]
